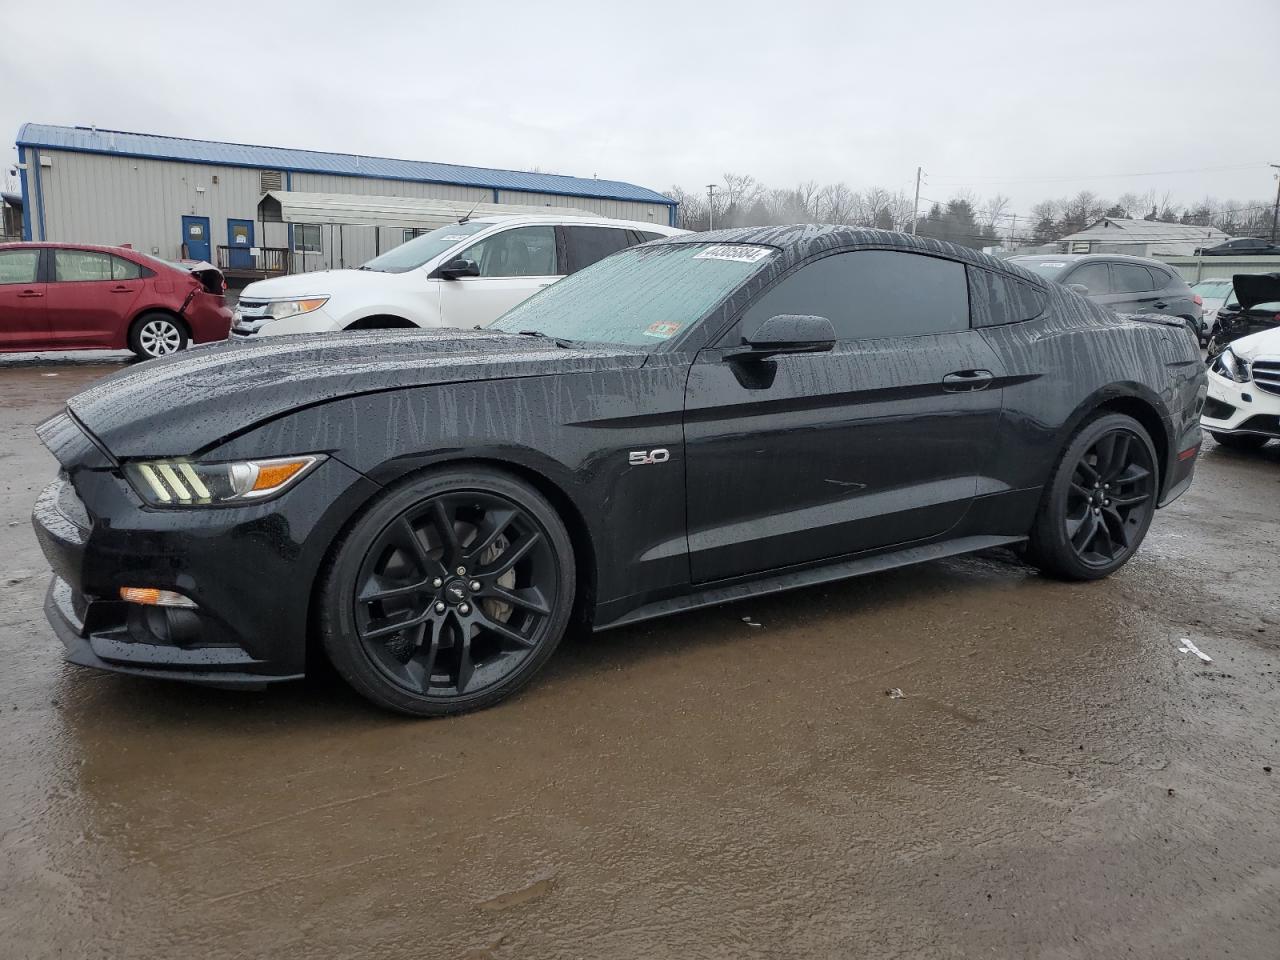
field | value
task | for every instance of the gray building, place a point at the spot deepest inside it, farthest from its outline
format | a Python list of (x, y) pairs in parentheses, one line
[(199, 199), (1139, 238)]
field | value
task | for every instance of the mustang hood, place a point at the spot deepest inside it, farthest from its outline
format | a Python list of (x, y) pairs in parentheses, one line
[(1255, 288), (183, 404)]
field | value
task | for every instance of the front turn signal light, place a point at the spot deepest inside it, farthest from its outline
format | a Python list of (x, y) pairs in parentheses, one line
[(155, 597), (188, 483)]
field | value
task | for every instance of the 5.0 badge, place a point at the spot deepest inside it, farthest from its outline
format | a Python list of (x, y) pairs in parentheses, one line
[(638, 458)]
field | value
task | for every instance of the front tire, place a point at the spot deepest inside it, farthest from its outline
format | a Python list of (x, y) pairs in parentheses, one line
[(1240, 441), (157, 335), (1099, 501), (449, 593)]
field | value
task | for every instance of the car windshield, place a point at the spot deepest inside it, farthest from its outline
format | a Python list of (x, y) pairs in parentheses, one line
[(640, 296), (1049, 269), (414, 253)]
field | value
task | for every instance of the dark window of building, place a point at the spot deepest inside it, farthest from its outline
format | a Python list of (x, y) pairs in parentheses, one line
[(306, 237)]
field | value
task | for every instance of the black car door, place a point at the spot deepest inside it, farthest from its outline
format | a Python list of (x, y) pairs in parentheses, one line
[(877, 442)]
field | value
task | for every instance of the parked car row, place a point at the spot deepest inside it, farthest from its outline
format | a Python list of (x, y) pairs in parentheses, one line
[(81, 297)]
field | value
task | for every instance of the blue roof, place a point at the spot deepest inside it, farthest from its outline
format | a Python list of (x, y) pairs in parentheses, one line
[(123, 143)]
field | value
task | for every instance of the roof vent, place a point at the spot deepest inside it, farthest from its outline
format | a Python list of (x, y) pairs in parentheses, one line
[(272, 180)]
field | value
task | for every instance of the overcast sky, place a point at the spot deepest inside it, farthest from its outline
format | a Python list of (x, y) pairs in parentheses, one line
[(1030, 100)]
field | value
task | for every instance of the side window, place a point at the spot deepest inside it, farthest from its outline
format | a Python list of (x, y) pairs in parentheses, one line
[(1095, 276), (1131, 278), (646, 236), (122, 269), (18, 266), (995, 299), (586, 245), (74, 266), (871, 294), (522, 252)]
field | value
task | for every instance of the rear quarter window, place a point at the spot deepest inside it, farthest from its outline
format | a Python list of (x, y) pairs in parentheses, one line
[(996, 299)]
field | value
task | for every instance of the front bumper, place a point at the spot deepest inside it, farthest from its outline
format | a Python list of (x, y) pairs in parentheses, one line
[(1234, 407), (246, 326), (147, 660), (249, 569)]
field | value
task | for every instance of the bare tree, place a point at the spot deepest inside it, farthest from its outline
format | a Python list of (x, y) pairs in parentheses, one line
[(993, 210), (836, 203)]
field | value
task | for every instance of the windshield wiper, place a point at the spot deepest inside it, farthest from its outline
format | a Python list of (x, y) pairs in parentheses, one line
[(558, 341)]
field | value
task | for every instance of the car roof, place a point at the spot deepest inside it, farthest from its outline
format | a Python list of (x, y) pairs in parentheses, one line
[(798, 241), (97, 247), (570, 219), (1081, 257)]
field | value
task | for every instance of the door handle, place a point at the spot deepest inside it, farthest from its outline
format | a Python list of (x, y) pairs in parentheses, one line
[(964, 381), (31, 293), (1160, 305), (120, 289)]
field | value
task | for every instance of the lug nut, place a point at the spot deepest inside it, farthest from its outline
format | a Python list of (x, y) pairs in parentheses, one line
[(465, 608), (437, 583), (474, 585), (440, 608), (462, 571)]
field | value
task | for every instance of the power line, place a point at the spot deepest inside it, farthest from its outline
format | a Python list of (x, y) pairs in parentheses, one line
[(995, 181)]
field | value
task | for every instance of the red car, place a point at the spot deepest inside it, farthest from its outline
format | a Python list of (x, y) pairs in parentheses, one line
[(62, 296)]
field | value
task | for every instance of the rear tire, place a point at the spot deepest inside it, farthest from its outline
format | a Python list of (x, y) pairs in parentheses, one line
[(157, 335), (1099, 500), (449, 593), (1240, 441)]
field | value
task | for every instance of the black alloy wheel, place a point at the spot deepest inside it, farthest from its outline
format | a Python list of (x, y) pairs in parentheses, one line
[(1111, 497), (460, 591), (1099, 502)]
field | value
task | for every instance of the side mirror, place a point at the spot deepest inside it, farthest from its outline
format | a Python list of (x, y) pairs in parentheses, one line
[(788, 333), (460, 267), (1079, 288)]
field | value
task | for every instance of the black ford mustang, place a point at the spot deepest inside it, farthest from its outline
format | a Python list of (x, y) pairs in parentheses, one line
[(697, 419)]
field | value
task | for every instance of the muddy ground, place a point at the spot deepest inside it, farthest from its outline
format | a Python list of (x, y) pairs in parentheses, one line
[(1058, 780)]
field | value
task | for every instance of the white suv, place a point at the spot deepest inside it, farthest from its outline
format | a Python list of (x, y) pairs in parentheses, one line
[(464, 274)]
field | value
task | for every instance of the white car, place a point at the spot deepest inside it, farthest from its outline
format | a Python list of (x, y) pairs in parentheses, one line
[(1213, 293), (465, 274), (1243, 406)]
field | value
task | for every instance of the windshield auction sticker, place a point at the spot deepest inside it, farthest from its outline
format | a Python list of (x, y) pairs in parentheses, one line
[(663, 330), (734, 251)]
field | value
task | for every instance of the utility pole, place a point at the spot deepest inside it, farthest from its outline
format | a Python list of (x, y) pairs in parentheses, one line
[(1275, 214), (915, 207), (711, 206)]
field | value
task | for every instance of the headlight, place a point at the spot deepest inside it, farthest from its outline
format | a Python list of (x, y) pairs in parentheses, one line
[(1227, 364), (291, 308), (186, 483)]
